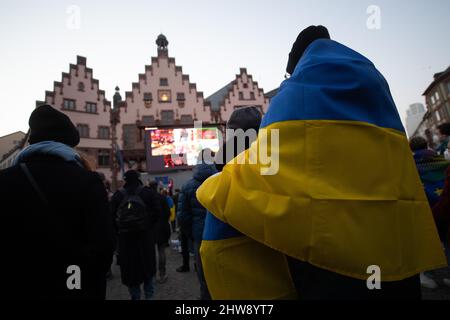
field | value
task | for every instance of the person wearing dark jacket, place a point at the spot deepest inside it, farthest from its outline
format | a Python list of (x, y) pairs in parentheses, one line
[(441, 213), (191, 216), (444, 137), (57, 239), (137, 248), (432, 171), (162, 232), (185, 237)]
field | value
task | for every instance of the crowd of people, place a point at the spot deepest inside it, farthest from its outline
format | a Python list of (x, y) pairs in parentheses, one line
[(349, 194), (433, 164)]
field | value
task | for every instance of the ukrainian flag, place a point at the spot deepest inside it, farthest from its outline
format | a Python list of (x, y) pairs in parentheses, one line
[(347, 194)]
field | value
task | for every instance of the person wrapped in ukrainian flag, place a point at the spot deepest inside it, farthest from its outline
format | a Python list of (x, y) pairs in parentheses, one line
[(343, 215)]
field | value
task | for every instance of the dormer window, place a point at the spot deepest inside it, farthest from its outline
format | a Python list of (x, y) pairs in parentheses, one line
[(148, 99), (164, 96), (163, 82), (181, 99)]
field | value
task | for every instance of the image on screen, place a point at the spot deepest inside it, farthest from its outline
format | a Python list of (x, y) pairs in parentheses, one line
[(179, 147)]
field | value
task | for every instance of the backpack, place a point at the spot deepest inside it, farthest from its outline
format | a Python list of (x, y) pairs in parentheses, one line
[(132, 212)]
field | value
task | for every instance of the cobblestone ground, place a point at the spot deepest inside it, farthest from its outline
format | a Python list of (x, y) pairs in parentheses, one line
[(184, 286), (179, 286)]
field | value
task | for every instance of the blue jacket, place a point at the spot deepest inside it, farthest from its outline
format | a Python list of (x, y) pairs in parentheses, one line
[(190, 213)]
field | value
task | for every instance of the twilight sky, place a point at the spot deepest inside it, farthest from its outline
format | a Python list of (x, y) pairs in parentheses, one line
[(211, 40)]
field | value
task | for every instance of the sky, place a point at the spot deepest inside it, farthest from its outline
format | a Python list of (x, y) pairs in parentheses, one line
[(407, 40)]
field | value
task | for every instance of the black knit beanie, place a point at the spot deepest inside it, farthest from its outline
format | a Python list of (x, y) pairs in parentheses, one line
[(245, 118), (48, 124), (304, 39)]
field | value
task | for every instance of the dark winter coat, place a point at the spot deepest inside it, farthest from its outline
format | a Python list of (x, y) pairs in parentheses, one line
[(441, 210), (137, 250), (313, 283), (190, 213), (40, 242), (163, 226)]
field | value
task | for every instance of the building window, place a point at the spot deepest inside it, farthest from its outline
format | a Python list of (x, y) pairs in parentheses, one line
[(81, 86), (103, 133), (436, 94), (129, 136), (438, 116), (103, 158), (91, 107), (148, 120), (69, 104), (83, 130), (163, 82), (186, 119), (164, 96), (432, 99), (245, 85), (241, 96), (167, 117), (443, 111), (148, 99), (181, 99), (252, 96)]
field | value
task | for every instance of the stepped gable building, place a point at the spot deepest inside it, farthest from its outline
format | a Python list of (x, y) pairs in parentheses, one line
[(165, 97), (79, 96), (162, 97), (242, 91)]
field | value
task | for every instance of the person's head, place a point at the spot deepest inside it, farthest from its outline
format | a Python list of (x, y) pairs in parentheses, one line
[(153, 185), (247, 119), (444, 131), (418, 143), (132, 177), (164, 192), (304, 39), (101, 175), (48, 124), (177, 190)]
